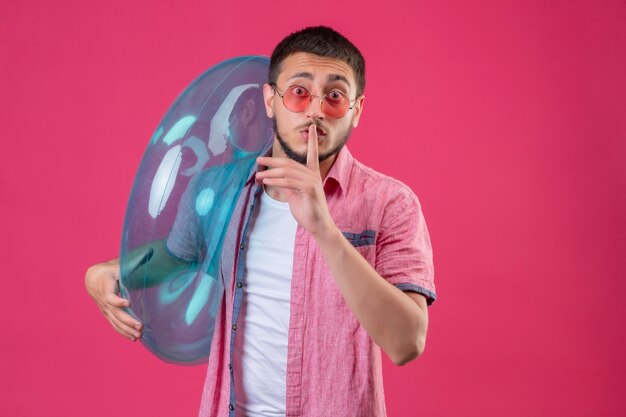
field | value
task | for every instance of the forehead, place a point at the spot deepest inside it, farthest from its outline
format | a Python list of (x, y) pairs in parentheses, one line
[(315, 67)]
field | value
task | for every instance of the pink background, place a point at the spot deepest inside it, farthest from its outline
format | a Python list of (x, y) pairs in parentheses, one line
[(506, 118)]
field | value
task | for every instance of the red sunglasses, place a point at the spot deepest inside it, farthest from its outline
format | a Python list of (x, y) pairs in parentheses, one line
[(297, 99)]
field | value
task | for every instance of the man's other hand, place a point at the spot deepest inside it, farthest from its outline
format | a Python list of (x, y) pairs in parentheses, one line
[(101, 281)]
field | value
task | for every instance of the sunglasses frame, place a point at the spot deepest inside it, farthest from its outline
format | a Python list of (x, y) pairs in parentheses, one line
[(351, 103)]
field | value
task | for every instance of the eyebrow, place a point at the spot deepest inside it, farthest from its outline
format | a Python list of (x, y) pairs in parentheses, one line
[(331, 77)]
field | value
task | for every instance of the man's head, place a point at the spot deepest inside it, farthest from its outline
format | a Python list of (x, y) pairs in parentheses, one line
[(316, 76), (246, 123), (322, 41)]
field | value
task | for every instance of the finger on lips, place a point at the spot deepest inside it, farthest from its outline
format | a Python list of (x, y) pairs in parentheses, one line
[(312, 160)]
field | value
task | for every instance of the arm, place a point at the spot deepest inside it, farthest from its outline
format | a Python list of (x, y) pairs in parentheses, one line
[(150, 264), (395, 320)]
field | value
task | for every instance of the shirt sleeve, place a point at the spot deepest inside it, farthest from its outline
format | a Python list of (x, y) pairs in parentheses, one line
[(404, 255), (186, 239)]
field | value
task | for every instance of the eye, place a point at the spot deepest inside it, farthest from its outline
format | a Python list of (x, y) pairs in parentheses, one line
[(298, 91), (335, 96)]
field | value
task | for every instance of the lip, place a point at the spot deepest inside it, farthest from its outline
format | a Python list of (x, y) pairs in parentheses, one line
[(320, 132)]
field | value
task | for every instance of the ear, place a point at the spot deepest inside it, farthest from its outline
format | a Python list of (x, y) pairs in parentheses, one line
[(249, 109), (358, 108), (268, 99)]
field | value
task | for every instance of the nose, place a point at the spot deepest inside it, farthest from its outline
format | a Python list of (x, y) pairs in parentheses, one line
[(315, 108)]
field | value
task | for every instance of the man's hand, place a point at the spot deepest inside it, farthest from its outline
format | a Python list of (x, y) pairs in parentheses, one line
[(101, 281), (301, 186)]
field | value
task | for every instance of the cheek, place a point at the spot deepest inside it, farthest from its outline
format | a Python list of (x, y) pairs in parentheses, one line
[(342, 130), (287, 122)]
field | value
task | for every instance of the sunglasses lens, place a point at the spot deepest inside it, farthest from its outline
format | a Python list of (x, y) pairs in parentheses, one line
[(335, 105), (297, 99)]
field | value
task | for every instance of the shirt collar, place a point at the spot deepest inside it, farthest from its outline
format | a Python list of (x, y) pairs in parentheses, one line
[(266, 152), (340, 171)]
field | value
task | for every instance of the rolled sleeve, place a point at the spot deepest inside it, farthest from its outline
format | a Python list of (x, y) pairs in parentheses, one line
[(404, 255)]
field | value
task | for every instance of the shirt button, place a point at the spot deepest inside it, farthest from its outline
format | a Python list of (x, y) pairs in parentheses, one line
[(241, 246), (230, 407), (230, 366), (239, 285), (234, 327)]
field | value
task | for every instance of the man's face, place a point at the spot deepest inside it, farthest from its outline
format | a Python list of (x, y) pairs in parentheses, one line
[(320, 76)]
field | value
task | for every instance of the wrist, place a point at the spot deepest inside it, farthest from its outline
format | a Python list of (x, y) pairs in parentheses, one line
[(328, 235)]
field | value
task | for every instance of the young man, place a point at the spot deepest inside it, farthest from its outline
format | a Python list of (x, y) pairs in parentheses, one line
[(334, 260)]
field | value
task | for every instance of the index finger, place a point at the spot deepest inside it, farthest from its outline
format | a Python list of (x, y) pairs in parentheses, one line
[(312, 155)]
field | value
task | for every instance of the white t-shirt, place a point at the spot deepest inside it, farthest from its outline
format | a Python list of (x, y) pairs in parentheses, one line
[(260, 353)]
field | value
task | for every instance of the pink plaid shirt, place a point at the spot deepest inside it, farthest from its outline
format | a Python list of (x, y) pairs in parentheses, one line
[(333, 366)]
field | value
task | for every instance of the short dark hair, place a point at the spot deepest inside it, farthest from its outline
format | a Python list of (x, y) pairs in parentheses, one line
[(322, 41)]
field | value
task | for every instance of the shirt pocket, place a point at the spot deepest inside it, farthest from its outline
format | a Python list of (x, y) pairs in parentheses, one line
[(364, 240)]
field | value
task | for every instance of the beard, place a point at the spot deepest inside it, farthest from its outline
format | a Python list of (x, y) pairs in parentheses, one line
[(301, 157)]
